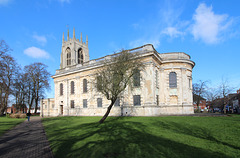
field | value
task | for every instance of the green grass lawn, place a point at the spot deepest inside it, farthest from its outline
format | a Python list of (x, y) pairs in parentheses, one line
[(173, 136), (8, 123)]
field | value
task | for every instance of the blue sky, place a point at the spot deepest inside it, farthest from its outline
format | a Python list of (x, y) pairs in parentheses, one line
[(209, 31)]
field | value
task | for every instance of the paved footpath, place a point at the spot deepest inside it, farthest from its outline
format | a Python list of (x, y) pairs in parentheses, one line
[(26, 140)]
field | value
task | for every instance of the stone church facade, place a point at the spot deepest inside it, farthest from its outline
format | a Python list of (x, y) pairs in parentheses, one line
[(165, 87)]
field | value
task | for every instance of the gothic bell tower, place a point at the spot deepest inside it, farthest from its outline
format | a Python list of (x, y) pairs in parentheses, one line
[(74, 51)]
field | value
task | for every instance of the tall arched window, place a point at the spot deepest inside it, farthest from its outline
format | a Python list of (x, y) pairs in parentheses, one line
[(68, 52), (136, 78), (99, 83), (72, 87), (80, 56), (172, 80), (84, 85), (61, 89), (156, 78)]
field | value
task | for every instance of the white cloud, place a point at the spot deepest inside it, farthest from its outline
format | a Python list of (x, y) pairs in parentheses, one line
[(4, 2), (165, 23), (209, 26), (41, 39), (35, 52), (172, 32)]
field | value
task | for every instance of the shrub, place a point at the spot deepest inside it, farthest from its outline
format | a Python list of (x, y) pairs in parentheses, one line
[(23, 115), (11, 115), (17, 115)]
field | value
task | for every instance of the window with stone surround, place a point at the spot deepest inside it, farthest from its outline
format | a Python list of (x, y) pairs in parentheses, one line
[(189, 83), (80, 56), (99, 83), (117, 102), (136, 78), (72, 87), (84, 85), (156, 78), (99, 102), (84, 103), (137, 100), (172, 80), (61, 89), (68, 52), (157, 99), (72, 103)]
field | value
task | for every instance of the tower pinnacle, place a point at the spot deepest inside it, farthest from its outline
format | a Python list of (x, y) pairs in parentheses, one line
[(68, 35), (87, 40), (73, 33), (81, 38)]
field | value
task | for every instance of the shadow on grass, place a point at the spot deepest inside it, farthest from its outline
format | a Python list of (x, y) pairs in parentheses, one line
[(8, 124), (116, 138), (195, 131)]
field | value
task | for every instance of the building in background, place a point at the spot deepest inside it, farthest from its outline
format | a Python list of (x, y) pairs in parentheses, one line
[(14, 109), (202, 105)]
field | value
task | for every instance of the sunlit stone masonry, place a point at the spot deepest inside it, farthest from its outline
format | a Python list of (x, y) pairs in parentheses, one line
[(165, 86)]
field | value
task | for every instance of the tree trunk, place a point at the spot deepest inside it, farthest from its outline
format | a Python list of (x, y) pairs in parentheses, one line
[(198, 101), (107, 113), (224, 110), (30, 105), (225, 104), (36, 105)]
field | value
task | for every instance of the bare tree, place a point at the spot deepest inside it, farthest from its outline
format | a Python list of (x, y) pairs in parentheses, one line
[(20, 90), (8, 71), (4, 48), (199, 90), (211, 95), (38, 78), (30, 91), (224, 90), (116, 75)]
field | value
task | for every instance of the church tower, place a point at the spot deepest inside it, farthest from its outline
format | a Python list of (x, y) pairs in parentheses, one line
[(74, 51)]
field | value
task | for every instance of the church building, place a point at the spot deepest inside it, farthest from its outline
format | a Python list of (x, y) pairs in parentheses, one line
[(165, 86)]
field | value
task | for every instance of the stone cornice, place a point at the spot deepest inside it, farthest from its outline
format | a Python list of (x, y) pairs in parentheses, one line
[(144, 51)]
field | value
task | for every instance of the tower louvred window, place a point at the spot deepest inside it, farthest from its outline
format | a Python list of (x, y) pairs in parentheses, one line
[(80, 56), (68, 51)]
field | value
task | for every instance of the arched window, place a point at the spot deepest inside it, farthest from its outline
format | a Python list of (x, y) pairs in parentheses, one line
[(172, 80), (99, 102), (80, 56), (68, 52), (72, 87), (99, 83), (61, 89), (136, 78), (156, 78), (72, 103), (84, 85)]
